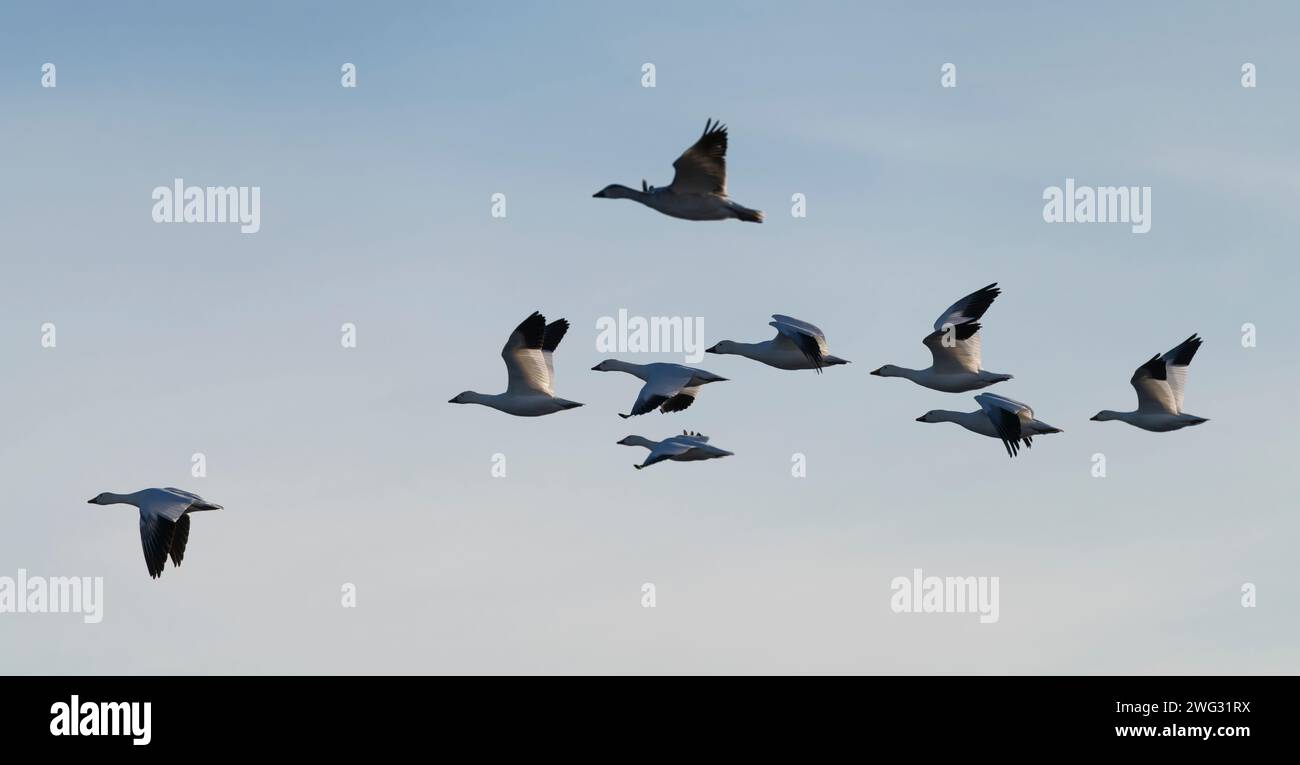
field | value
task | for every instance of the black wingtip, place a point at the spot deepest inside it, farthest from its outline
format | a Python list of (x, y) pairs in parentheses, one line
[(1186, 350), (554, 333), (533, 329)]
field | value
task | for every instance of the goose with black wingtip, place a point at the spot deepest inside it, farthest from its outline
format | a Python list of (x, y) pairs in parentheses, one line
[(688, 447), (164, 522), (530, 370), (955, 348), (1159, 384), (699, 187), (797, 345), (668, 387), (998, 417)]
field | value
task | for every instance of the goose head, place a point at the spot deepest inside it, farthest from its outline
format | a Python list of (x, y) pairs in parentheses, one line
[(888, 370), (468, 397), (616, 191), (106, 498), (1105, 415), (722, 347)]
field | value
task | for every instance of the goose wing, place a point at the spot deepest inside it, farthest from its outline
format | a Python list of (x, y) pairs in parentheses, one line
[(156, 534), (702, 169), (688, 435), (665, 389), (1160, 382), (810, 340), (1009, 418), (550, 340), (196, 502), (666, 450), (955, 342), (527, 365), (180, 536)]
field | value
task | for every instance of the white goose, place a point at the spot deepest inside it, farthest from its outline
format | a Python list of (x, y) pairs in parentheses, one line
[(998, 417), (1159, 384), (797, 345), (699, 187), (688, 447), (530, 390), (955, 347), (164, 522), (668, 387)]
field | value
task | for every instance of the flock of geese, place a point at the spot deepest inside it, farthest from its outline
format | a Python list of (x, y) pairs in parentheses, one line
[(699, 192), (955, 367)]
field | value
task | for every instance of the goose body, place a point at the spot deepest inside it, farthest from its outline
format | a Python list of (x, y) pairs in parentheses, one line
[(1160, 384), (530, 370), (688, 447), (164, 522), (797, 345), (954, 349), (668, 387), (998, 417), (699, 187)]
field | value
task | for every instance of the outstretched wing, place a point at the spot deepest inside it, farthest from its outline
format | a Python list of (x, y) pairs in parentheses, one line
[(666, 450), (680, 401), (702, 169), (810, 340), (195, 501), (180, 536), (955, 350), (526, 363), (1160, 382), (156, 537), (970, 308), (550, 340), (1176, 363), (1009, 418), (666, 389), (955, 342)]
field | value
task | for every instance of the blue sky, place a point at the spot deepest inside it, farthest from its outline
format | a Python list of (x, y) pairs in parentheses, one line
[(349, 466)]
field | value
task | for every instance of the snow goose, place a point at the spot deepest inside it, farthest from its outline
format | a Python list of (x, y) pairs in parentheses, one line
[(688, 447), (699, 187), (668, 387), (797, 345), (1159, 384), (530, 371), (955, 347), (998, 417), (164, 522)]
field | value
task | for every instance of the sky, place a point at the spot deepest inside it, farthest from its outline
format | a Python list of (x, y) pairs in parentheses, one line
[(344, 466)]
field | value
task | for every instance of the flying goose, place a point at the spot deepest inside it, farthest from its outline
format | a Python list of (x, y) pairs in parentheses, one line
[(668, 387), (699, 187), (797, 345), (998, 417), (1159, 384), (955, 346), (688, 447), (164, 521), (530, 371)]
